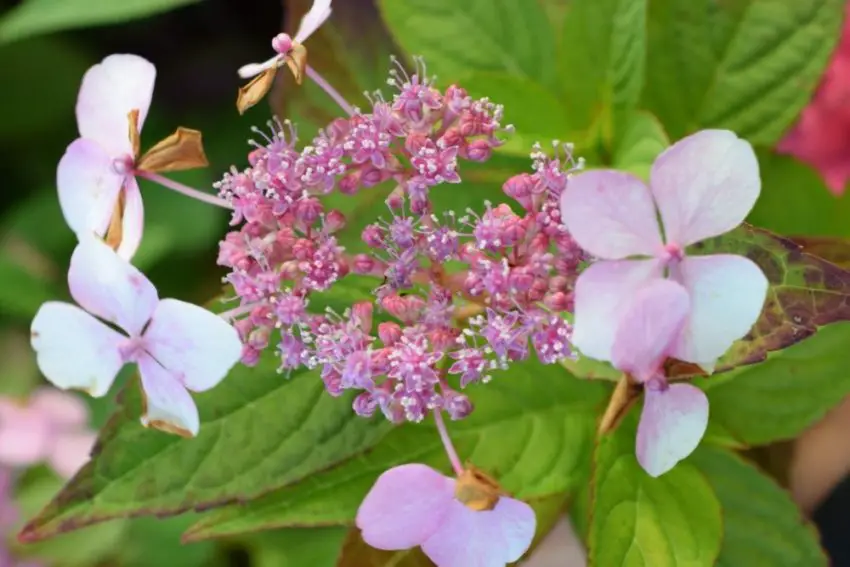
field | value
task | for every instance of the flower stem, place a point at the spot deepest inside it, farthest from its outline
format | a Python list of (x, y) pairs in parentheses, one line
[(447, 442), (237, 311), (183, 189), (332, 92)]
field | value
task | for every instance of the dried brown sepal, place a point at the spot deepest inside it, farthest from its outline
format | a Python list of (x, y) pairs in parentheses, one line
[(253, 92), (296, 60), (115, 232), (678, 370), (133, 131), (477, 490), (184, 149), (626, 393)]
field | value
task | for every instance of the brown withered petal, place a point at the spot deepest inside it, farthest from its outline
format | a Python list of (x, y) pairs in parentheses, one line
[(184, 149), (115, 232), (477, 490), (626, 393), (133, 131), (253, 92), (678, 370), (296, 60)]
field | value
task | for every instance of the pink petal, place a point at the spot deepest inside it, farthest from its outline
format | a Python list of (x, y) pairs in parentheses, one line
[(672, 423), (110, 90), (602, 292), (71, 451), (705, 185), (197, 346), (650, 325), (611, 214), (319, 12), (75, 350), (133, 221), (109, 287), (727, 295), (404, 507), (168, 405), (62, 409), (88, 187), (466, 538), (24, 435)]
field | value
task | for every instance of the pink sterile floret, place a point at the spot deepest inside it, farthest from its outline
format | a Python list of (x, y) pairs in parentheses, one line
[(702, 186), (177, 346), (414, 505), (674, 416)]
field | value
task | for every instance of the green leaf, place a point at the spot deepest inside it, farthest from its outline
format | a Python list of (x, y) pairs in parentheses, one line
[(297, 547), (153, 542), (746, 65), (637, 520), (601, 62), (532, 429), (24, 290), (642, 140), (456, 38), (794, 200), (260, 431), (761, 525), (44, 16), (790, 391)]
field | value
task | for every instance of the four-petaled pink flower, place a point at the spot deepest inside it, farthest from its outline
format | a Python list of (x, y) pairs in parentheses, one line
[(319, 12), (702, 186), (414, 505), (97, 171), (177, 346), (674, 416), (51, 426)]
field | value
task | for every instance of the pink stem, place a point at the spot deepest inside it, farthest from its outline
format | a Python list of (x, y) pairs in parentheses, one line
[(237, 311), (183, 189), (447, 443), (332, 92)]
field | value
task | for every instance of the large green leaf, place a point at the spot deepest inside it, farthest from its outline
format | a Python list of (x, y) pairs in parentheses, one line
[(23, 289), (297, 547), (601, 62), (260, 431), (457, 38), (532, 429), (746, 65), (639, 521), (761, 525), (43, 16), (642, 139)]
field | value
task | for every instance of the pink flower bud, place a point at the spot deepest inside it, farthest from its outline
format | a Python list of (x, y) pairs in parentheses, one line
[(479, 150), (389, 333), (520, 188), (374, 236), (334, 221), (282, 43), (361, 312)]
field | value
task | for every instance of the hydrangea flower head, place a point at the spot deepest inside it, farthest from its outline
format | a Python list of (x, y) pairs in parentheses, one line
[(457, 523), (177, 346), (702, 186), (51, 426), (674, 416)]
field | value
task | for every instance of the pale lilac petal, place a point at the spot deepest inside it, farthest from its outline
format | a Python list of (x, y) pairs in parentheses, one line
[(252, 69), (727, 295), (24, 435), (319, 12), (133, 222), (404, 507), (110, 90), (466, 538), (74, 350), (611, 214), (168, 405), (88, 187), (671, 425), (705, 185), (650, 325), (109, 287), (518, 524), (197, 346), (71, 451), (62, 409), (601, 294)]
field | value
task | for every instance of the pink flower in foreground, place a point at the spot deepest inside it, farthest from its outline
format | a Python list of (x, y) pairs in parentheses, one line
[(702, 186), (177, 346), (674, 416), (51, 426), (96, 174), (457, 523), (282, 43)]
